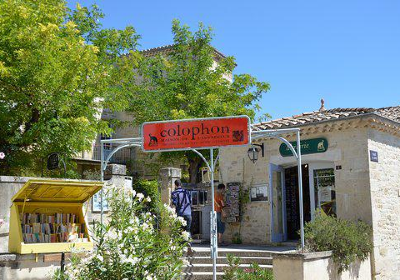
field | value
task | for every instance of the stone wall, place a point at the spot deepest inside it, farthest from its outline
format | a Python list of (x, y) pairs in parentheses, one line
[(235, 166), (317, 266), (348, 148), (167, 179), (385, 193), (9, 186)]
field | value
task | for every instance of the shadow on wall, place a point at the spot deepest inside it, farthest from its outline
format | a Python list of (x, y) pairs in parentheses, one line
[(353, 271)]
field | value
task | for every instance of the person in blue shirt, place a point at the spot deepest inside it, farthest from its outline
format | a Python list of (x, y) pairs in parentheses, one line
[(182, 200)]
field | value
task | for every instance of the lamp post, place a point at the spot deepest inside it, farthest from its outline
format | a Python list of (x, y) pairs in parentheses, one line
[(252, 152)]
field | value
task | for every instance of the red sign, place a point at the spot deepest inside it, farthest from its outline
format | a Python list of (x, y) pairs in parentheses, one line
[(196, 133)]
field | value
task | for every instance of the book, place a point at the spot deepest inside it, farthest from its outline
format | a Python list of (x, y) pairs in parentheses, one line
[(53, 228)]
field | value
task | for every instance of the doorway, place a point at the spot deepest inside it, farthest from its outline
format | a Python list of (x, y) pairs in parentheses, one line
[(292, 200), (318, 193), (284, 193)]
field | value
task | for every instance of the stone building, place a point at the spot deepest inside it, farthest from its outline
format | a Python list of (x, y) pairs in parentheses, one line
[(351, 166)]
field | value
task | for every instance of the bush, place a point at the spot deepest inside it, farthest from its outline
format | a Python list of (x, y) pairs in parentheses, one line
[(149, 189), (347, 240), (129, 246), (236, 239), (255, 272)]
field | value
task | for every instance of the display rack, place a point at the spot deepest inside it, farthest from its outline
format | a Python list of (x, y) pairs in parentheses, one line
[(46, 216)]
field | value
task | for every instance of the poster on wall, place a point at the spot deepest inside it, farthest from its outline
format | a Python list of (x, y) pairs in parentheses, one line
[(96, 203), (259, 192), (232, 202), (325, 194)]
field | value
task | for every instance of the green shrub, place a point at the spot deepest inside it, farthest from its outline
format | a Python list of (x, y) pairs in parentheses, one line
[(255, 272), (237, 239), (149, 189), (347, 240)]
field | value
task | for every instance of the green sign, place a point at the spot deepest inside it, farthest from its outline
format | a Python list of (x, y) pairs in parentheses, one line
[(309, 146)]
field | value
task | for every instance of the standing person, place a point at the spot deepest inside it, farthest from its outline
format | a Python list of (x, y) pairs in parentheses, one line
[(219, 203), (182, 200)]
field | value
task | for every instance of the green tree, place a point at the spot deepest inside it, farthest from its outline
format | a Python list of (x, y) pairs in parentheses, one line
[(58, 69), (194, 81)]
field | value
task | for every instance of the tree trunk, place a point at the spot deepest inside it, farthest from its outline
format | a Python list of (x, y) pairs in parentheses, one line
[(194, 167)]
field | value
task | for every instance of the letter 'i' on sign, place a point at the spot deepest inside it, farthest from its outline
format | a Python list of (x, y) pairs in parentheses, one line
[(196, 133)]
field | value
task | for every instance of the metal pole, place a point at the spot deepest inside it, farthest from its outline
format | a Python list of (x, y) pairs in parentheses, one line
[(214, 239), (62, 264), (102, 180), (300, 178)]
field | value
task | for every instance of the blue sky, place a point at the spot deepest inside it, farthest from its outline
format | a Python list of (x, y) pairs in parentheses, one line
[(347, 52)]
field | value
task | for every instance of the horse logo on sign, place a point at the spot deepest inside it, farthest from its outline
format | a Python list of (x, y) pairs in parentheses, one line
[(153, 140)]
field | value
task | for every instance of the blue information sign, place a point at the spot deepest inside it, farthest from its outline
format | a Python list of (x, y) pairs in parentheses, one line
[(373, 155)]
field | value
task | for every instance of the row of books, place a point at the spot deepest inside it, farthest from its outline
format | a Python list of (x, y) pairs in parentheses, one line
[(58, 218), (59, 227), (52, 228), (53, 238)]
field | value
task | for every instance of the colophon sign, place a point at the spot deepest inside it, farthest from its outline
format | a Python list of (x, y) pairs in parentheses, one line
[(196, 133)]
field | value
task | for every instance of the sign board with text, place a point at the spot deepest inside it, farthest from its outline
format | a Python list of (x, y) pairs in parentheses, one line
[(373, 155), (196, 133), (309, 146)]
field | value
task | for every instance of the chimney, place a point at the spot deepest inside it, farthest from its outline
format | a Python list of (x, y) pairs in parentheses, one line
[(322, 106)]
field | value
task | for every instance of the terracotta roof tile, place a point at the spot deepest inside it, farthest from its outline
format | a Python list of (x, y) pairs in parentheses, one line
[(168, 48), (391, 113)]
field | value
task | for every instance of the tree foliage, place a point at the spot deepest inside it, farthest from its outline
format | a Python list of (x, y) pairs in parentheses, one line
[(58, 69), (194, 80)]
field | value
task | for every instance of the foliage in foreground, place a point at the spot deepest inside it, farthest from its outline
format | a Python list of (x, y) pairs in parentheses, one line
[(347, 240), (130, 245), (58, 69), (255, 272), (150, 189)]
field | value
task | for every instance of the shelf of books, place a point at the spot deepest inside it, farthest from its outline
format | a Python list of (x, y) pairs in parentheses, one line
[(47, 216)]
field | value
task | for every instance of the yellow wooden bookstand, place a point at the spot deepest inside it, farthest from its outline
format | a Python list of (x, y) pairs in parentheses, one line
[(49, 197)]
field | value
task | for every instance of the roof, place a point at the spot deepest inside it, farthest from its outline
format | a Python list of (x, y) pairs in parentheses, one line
[(168, 48), (315, 117)]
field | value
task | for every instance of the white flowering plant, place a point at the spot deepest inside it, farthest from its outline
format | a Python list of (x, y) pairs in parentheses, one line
[(134, 244)]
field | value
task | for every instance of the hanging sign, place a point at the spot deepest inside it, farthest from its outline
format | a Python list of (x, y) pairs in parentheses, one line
[(196, 133), (309, 146)]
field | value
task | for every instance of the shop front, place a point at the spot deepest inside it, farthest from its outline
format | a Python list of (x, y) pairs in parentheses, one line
[(350, 166), (318, 178), (278, 172)]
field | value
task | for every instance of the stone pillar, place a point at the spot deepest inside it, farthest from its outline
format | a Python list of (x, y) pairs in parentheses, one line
[(114, 175), (114, 170), (167, 178)]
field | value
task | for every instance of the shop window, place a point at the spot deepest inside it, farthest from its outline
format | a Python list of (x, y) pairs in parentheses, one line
[(202, 197), (195, 198), (325, 192)]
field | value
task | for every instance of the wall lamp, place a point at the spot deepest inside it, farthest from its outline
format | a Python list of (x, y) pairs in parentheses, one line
[(253, 152)]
